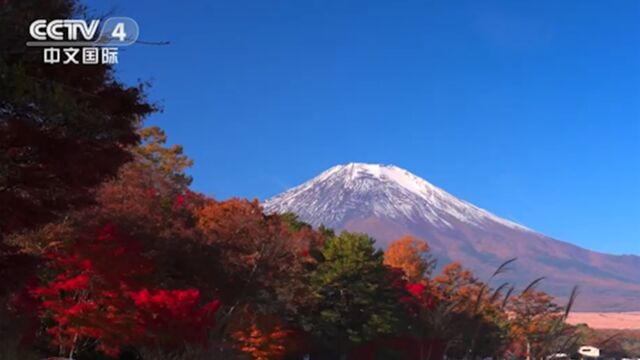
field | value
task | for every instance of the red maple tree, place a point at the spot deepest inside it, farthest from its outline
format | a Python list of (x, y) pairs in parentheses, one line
[(102, 298)]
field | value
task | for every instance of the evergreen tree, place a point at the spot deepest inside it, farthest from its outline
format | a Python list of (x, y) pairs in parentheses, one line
[(354, 297)]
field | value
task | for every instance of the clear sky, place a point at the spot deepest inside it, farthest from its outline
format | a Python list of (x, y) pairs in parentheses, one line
[(530, 109)]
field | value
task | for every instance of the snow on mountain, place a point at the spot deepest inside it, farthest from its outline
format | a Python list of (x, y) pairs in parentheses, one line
[(388, 202), (390, 191)]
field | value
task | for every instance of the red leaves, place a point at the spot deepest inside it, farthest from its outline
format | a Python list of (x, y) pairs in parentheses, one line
[(102, 293), (423, 295), (85, 299), (173, 316), (418, 297), (416, 289), (78, 282), (179, 202), (173, 303)]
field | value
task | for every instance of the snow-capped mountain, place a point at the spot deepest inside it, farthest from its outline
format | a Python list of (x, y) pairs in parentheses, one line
[(388, 191), (388, 202)]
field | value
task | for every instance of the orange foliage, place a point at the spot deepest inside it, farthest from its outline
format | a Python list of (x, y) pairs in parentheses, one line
[(259, 258), (457, 285), (262, 344), (411, 255), (268, 338), (234, 221), (533, 316), (252, 246)]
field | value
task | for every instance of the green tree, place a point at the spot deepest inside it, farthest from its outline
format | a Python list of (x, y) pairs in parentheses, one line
[(354, 297)]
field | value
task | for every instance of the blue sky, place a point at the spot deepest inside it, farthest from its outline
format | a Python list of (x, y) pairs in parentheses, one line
[(530, 109)]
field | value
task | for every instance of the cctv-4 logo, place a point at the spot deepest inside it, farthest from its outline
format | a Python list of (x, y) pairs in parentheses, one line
[(71, 41)]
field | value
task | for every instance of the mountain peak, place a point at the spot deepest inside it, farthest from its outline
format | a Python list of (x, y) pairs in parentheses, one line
[(364, 190), (389, 173), (388, 202)]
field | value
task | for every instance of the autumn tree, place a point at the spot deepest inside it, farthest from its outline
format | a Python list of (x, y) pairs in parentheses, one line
[(151, 203), (268, 337), (468, 313), (536, 319), (168, 160), (259, 258), (412, 256), (64, 129), (150, 200), (101, 297), (260, 343)]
